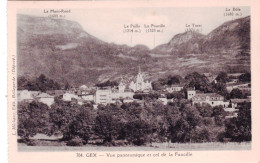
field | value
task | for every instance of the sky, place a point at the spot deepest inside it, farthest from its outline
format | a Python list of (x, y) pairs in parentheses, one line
[(108, 24)]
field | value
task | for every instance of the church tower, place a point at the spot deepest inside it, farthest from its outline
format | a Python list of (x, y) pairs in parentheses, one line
[(139, 80), (121, 86), (139, 84)]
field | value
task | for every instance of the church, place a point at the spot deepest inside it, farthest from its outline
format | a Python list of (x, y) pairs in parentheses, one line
[(139, 84)]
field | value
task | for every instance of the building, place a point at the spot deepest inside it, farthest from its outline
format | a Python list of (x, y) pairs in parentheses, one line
[(140, 84), (70, 96), (163, 100), (122, 92), (245, 87), (45, 98), (88, 97), (83, 90), (174, 88), (233, 81), (191, 92), (83, 87), (234, 75), (55, 92), (128, 100), (103, 96), (112, 95), (236, 102), (25, 95), (231, 112), (213, 99)]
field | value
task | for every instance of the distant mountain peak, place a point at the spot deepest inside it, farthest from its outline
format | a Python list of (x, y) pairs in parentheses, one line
[(63, 51), (184, 37)]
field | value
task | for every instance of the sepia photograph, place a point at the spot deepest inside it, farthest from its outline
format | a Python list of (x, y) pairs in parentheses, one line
[(134, 79)]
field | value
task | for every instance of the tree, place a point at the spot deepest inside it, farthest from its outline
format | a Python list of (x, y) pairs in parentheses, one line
[(81, 125), (219, 115), (244, 121), (221, 89), (33, 118), (202, 134), (109, 122), (176, 95), (157, 85), (222, 77), (200, 82), (42, 83), (236, 93), (71, 120), (183, 120), (22, 83), (204, 109), (173, 80), (138, 132), (246, 77), (107, 83), (239, 129)]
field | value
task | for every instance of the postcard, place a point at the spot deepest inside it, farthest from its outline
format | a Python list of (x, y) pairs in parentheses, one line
[(142, 81)]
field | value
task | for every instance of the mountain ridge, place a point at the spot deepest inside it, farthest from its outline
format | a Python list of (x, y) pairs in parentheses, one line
[(71, 54)]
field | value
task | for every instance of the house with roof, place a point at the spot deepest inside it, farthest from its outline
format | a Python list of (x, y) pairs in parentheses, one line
[(25, 95), (174, 88), (45, 98), (128, 100), (55, 92), (34, 93), (213, 99), (245, 87), (122, 91), (103, 96), (69, 96), (236, 102), (191, 92), (88, 97), (234, 75), (83, 87), (163, 100), (233, 81)]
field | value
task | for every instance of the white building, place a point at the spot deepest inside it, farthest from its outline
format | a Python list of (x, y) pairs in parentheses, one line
[(213, 99), (88, 97), (46, 99), (190, 93), (128, 100), (163, 100), (24, 95), (103, 96), (233, 81), (236, 102), (242, 86), (109, 95), (121, 92), (174, 88), (83, 87), (68, 96), (140, 84)]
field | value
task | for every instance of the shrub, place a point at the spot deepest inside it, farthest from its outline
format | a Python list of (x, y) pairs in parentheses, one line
[(75, 142)]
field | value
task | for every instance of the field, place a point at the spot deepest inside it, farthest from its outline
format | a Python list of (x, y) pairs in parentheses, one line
[(152, 147)]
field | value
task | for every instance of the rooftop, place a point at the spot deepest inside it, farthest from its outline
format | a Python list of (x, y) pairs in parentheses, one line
[(176, 85), (44, 95), (236, 84), (240, 100), (207, 94)]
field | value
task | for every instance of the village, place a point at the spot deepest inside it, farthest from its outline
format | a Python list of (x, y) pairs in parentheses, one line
[(125, 93)]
